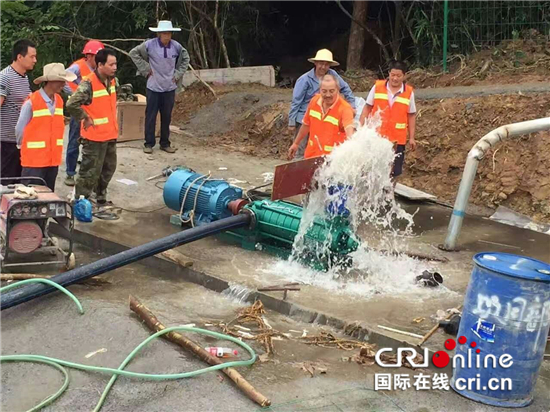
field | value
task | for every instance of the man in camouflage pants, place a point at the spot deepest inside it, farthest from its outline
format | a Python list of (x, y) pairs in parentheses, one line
[(94, 103)]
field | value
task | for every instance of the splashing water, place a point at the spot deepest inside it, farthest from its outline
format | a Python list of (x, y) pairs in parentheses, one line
[(237, 293), (361, 169), (356, 176)]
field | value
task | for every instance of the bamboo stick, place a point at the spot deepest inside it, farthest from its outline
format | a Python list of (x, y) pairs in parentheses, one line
[(402, 332), (275, 289), (155, 325), (25, 276)]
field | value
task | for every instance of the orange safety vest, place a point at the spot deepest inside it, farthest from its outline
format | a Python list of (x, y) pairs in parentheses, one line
[(325, 132), (395, 119), (84, 72), (102, 111), (42, 143)]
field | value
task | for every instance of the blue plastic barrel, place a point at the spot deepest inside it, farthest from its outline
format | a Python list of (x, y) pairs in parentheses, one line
[(507, 314)]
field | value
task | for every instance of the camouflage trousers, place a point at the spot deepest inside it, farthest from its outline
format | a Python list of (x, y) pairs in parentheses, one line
[(96, 169)]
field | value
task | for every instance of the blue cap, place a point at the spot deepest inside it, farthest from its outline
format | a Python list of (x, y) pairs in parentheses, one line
[(514, 265)]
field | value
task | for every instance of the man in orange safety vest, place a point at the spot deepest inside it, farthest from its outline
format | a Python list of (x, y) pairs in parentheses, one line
[(94, 103), (83, 67), (328, 121), (40, 128), (394, 100)]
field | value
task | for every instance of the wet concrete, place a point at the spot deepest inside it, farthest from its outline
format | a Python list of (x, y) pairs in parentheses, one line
[(478, 233), (52, 326), (232, 264)]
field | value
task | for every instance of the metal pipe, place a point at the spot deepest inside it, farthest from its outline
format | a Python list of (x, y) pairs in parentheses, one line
[(474, 156), (26, 293)]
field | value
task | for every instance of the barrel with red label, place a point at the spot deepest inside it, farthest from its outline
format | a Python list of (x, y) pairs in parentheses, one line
[(503, 331)]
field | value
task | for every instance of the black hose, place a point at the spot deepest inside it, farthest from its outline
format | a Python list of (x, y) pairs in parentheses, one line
[(26, 293)]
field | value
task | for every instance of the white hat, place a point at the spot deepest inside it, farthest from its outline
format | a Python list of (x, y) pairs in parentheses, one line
[(164, 25), (324, 55), (55, 72)]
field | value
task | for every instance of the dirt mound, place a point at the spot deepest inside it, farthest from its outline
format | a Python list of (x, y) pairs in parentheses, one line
[(514, 174), (197, 96), (259, 131), (190, 102), (527, 59)]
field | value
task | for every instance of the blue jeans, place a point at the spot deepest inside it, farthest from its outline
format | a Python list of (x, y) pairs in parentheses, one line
[(162, 102), (73, 147)]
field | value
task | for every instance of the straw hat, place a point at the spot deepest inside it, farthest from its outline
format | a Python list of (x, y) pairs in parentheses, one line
[(164, 25), (55, 72), (324, 55)]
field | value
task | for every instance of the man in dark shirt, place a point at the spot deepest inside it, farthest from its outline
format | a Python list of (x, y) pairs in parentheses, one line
[(14, 89)]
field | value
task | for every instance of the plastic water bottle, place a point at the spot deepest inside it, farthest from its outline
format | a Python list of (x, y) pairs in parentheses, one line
[(83, 210), (221, 352)]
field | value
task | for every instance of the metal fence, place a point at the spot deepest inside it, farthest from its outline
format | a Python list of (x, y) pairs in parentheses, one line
[(465, 27)]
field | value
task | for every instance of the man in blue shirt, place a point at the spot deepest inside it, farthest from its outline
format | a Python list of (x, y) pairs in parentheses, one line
[(164, 62), (306, 87)]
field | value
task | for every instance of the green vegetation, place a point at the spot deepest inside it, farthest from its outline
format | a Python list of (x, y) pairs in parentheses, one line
[(236, 33)]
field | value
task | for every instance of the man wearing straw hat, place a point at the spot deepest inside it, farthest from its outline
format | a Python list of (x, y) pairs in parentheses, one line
[(40, 128), (164, 62), (307, 86)]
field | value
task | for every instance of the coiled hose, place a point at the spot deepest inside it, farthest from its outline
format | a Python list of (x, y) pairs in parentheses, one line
[(59, 363)]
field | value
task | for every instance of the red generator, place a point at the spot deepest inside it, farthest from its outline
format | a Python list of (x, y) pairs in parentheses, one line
[(24, 237)]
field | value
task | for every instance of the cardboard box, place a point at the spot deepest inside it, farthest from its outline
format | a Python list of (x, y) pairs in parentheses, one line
[(131, 120)]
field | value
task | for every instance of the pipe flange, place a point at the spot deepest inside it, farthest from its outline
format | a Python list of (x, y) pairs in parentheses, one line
[(253, 219)]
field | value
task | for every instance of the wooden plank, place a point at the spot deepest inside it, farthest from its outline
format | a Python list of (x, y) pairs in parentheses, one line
[(255, 74), (294, 178), (178, 258), (411, 193)]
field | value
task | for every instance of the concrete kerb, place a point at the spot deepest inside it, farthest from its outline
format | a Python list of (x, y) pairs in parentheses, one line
[(353, 329)]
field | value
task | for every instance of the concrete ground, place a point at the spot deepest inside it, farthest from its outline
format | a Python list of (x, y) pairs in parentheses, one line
[(253, 270), (51, 326)]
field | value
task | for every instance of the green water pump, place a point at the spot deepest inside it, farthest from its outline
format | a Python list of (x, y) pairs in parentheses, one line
[(273, 226)]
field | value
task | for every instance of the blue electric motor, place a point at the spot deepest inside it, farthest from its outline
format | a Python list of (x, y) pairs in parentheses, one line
[(207, 199)]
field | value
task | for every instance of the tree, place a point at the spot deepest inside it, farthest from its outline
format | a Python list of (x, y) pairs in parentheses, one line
[(357, 35), (365, 27), (214, 26)]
